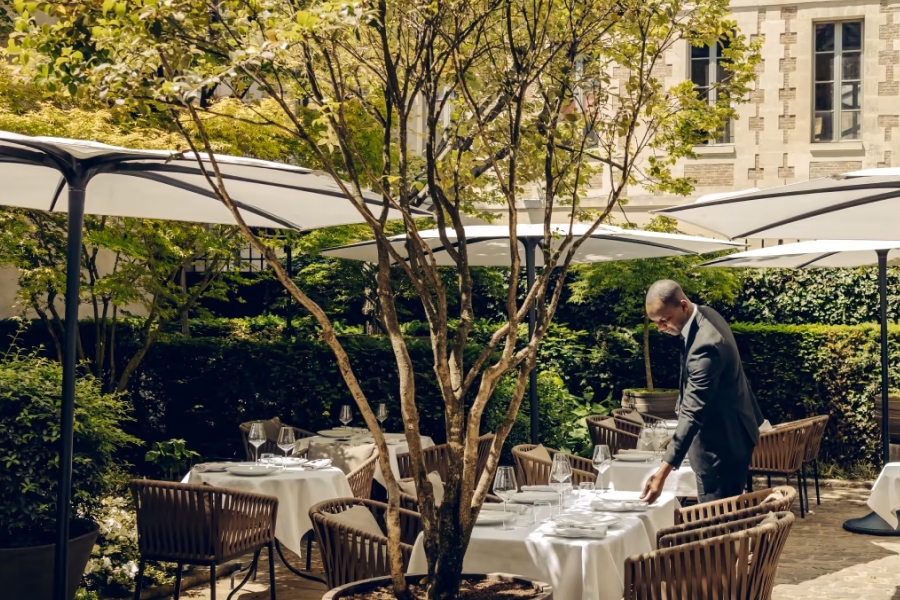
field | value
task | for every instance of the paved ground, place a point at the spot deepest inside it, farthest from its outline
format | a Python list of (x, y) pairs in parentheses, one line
[(821, 561)]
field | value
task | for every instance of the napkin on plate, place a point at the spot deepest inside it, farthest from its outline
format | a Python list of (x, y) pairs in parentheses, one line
[(579, 532), (213, 467), (619, 505), (532, 497), (493, 507), (321, 463), (538, 488)]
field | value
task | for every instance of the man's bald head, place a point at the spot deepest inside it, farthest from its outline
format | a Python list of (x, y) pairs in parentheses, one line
[(668, 307)]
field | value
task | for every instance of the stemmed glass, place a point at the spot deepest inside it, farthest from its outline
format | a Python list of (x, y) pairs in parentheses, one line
[(256, 437), (505, 486), (647, 441), (286, 443), (661, 432), (346, 415), (382, 415), (560, 473), (602, 462)]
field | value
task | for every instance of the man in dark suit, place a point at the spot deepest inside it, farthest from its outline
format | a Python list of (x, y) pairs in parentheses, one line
[(718, 416)]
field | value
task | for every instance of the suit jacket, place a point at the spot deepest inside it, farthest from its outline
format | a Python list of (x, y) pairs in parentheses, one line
[(718, 416)]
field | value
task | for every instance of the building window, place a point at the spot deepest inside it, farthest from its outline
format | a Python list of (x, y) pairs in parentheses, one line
[(708, 74), (249, 260), (837, 98)]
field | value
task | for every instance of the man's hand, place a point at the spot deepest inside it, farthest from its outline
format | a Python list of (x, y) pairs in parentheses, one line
[(655, 484)]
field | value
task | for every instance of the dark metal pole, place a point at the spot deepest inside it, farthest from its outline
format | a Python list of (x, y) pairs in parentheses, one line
[(530, 249), (885, 376), (67, 426), (289, 309)]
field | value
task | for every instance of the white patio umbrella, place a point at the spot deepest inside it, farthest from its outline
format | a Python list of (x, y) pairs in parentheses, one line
[(836, 254), (488, 246), (862, 205), (92, 178)]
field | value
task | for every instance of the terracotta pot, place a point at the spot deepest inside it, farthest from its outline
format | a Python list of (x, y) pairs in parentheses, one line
[(542, 590), (659, 403), (893, 416), (27, 572)]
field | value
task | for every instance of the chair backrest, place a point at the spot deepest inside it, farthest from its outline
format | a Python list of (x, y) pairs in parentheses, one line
[(272, 426), (735, 560), (775, 500), (361, 479), (185, 522), (604, 433), (647, 417), (531, 470), (349, 554), (814, 437), (438, 457), (781, 450), (484, 450)]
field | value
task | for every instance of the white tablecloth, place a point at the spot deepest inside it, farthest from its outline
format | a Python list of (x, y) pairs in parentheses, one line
[(397, 446), (297, 491), (884, 499), (577, 569), (631, 477)]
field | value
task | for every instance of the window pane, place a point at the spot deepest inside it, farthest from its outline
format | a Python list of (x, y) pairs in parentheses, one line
[(851, 66), (702, 52), (824, 96), (822, 127), (851, 36), (850, 96), (824, 37), (824, 67), (700, 72), (850, 125), (725, 135), (722, 75)]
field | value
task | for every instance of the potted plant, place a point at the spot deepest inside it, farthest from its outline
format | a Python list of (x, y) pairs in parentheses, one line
[(449, 106), (29, 439), (629, 281)]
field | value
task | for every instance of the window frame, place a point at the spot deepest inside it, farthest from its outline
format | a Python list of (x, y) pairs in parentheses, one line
[(837, 80), (727, 135)]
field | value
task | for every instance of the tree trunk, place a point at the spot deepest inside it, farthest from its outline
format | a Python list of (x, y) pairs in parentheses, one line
[(450, 550), (647, 368), (185, 321)]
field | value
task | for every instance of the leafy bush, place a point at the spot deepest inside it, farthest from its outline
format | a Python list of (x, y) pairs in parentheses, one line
[(171, 458), (30, 410)]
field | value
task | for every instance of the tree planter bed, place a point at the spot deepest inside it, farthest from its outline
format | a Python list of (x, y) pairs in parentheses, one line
[(492, 586)]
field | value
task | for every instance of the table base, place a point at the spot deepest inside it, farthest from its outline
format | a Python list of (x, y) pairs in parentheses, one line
[(291, 568), (871, 524), (251, 572)]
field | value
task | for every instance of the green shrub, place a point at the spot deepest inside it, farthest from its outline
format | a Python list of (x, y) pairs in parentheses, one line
[(30, 410)]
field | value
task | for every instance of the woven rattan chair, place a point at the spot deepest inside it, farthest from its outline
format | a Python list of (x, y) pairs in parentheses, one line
[(271, 444), (781, 452), (533, 471), (605, 434), (735, 560), (817, 427), (202, 525), (361, 479), (349, 554), (437, 458), (648, 418)]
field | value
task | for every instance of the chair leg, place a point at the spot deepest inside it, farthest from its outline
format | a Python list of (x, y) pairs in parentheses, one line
[(178, 570), (139, 580), (816, 477), (768, 481), (309, 551), (212, 582), (750, 482), (271, 571), (802, 510), (805, 486)]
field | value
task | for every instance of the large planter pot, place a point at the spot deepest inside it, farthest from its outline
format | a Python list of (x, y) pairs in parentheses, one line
[(659, 403), (27, 572), (893, 416), (542, 591)]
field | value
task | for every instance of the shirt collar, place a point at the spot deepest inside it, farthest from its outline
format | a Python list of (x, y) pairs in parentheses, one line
[(687, 326)]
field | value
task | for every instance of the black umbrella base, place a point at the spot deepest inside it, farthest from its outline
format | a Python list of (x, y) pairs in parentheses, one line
[(871, 524)]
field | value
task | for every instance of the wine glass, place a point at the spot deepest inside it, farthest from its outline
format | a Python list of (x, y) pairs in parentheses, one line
[(560, 473), (505, 485), (382, 414), (647, 441), (661, 432), (286, 442), (602, 462), (256, 437), (346, 415)]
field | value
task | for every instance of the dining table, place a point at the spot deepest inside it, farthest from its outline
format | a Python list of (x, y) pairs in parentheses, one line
[(633, 476), (578, 569), (884, 499)]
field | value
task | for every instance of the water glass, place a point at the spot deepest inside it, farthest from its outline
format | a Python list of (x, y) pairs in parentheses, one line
[(286, 442), (505, 485), (586, 490), (602, 462), (382, 414), (560, 474), (543, 511), (346, 415), (267, 457), (256, 437), (647, 440), (661, 432)]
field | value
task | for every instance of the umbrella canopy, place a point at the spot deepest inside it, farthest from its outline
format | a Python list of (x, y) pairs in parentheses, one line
[(81, 177), (862, 205), (488, 245), (812, 254), (169, 185)]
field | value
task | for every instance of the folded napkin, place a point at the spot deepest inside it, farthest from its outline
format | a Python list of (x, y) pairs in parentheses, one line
[(494, 507), (321, 463), (766, 426), (576, 531), (619, 505), (213, 467), (538, 488), (532, 497)]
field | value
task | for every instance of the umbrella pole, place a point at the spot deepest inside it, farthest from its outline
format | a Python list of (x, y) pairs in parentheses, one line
[(885, 418), (530, 249), (64, 486)]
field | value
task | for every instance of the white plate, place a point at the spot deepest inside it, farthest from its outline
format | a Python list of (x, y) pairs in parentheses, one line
[(252, 470), (532, 497), (493, 518), (290, 461), (633, 457), (574, 533), (594, 520), (337, 433)]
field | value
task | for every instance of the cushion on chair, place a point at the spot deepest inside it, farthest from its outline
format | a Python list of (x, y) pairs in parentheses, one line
[(437, 487), (539, 453), (634, 416), (271, 426), (345, 457), (359, 517)]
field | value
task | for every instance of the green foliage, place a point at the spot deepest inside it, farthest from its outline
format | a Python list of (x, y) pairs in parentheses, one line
[(171, 458), (30, 417)]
